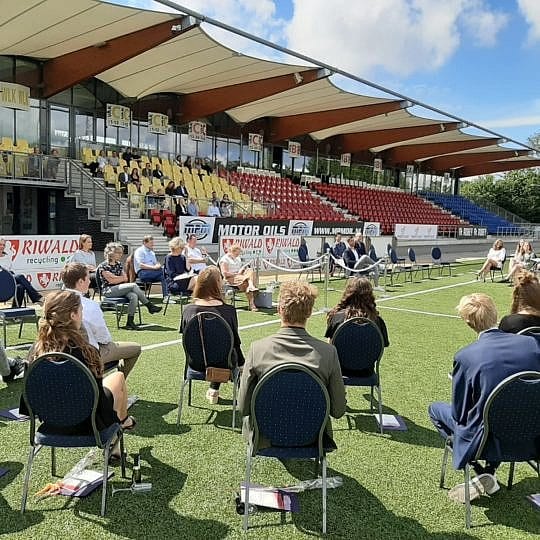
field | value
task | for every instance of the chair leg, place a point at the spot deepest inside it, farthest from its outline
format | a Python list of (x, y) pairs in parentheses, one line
[(166, 304), (379, 392), (467, 497), (122, 456), (189, 393), (20, 329), (180, 401), (511, 475), (105, 477), (246, 488), (235, 384), (31, 455), (444, 464), (371, 401), (53, 461), (324, 494), (140, 316)]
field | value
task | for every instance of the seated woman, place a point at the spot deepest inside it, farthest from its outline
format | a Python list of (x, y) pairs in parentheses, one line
[(213, 209), (237, 275), (115, 283), (495, 259), (175, 265), (525, 310), (208, 294), (22, 285), (170, 189), (86, 256), (60, 331), (358, 300), (522, 260)]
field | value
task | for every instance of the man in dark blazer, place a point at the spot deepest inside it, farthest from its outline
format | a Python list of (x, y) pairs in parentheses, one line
[(124, 178), (478, 369), (292, 343), (181, 190)]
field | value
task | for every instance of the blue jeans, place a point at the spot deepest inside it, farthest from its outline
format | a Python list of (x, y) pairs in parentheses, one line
[(153, 276)]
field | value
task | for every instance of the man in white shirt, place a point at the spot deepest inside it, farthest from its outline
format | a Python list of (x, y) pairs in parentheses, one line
[(195, 257), (77, 279), (146, 265)]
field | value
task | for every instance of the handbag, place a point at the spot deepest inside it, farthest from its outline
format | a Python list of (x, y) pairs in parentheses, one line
[(213, 374)]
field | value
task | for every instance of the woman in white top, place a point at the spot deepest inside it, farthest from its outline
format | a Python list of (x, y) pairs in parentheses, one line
[(213, 210), (86, 256), (237, 275), (523, 259), (495, 259)]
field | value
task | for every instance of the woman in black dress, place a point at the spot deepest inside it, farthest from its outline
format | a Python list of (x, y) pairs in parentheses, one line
[(60, 331), (175, 265), (358, 300), (525, 310), (208, 294)]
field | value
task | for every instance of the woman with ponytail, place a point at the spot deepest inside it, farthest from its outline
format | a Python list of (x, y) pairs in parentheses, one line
[(525, 310), (60, 331)]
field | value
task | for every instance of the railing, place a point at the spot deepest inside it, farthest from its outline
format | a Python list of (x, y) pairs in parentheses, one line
[(528, 231), (33, 168), (103, 204)]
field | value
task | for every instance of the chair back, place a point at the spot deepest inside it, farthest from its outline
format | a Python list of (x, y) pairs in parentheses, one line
[(129, 268), (290, 407), (7, 285), (412, 255), (531, 331), (208, 336), (359, 344), (436, 254), (393, 255), (512, 420), (61, 391), (373, 254)]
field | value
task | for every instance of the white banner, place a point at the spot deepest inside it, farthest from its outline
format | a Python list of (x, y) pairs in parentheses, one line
[(197, 131), (372, 229), (158, 123), (41, 258), (345, 160), (14, 96), (255, 142), (263, 247), (202, 227), (118, 116), (377, 165), (410, 170), (300, 227), (294, 149), (409, 231)]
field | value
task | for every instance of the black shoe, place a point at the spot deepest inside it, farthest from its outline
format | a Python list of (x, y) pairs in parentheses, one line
[(152, 308), (16, 366), (130, 325)]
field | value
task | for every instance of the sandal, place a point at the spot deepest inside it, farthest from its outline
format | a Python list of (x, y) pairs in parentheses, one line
[(131, 425)]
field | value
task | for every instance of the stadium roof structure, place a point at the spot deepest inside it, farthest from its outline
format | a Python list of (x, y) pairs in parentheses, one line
[(143, 53)]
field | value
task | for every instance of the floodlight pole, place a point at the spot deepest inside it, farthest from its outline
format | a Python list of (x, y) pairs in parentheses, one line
[(334, 70)]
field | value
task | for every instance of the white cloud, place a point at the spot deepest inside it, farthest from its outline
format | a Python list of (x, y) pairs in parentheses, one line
[(400, 36), (531, 11), (512, 121)]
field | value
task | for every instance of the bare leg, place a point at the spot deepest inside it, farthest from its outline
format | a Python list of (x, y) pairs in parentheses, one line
[(116, 383)]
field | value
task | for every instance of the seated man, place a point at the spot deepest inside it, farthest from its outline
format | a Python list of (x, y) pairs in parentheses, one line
[(147, 267), (77, 279), (292, 343), (353, 260), (196, 257), (478, 369)]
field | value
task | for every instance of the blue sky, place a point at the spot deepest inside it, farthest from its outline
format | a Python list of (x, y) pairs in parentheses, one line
[(476, 59)]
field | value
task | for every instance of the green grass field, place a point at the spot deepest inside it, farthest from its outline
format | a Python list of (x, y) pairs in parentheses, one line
[(390, 482)]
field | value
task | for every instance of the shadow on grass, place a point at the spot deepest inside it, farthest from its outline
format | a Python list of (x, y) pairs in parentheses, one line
[(151, 419), (363, 420), (151, 515), (11, 520), (353, 512), (10, 395), (150, 327)]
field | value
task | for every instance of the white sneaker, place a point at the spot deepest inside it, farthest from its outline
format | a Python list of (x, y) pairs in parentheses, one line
[(212, 396), (483, 484)]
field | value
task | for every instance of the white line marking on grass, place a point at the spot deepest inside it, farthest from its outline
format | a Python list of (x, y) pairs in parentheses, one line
[(421, 312), (386, 299)]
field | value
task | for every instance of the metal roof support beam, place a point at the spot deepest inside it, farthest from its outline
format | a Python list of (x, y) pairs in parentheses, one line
[(411, 152), (200, 104), (286, 127), (69, 69), (496, 166), (354, 142), (452, 161)]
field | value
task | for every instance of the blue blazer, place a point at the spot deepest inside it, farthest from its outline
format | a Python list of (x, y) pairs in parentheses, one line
[(478, 369)]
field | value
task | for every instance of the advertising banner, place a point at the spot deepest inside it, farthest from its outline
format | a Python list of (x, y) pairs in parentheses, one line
[(255, 142), (471, 232), (300, 227), (41, 258), (263, 247), (294, 149), (118, 116), (249, 227), (197, 131), (372, 229), (14, 96), (377, 165), (408, 231), (330, 228), (158, 123), (202, 227), (345, 160)]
